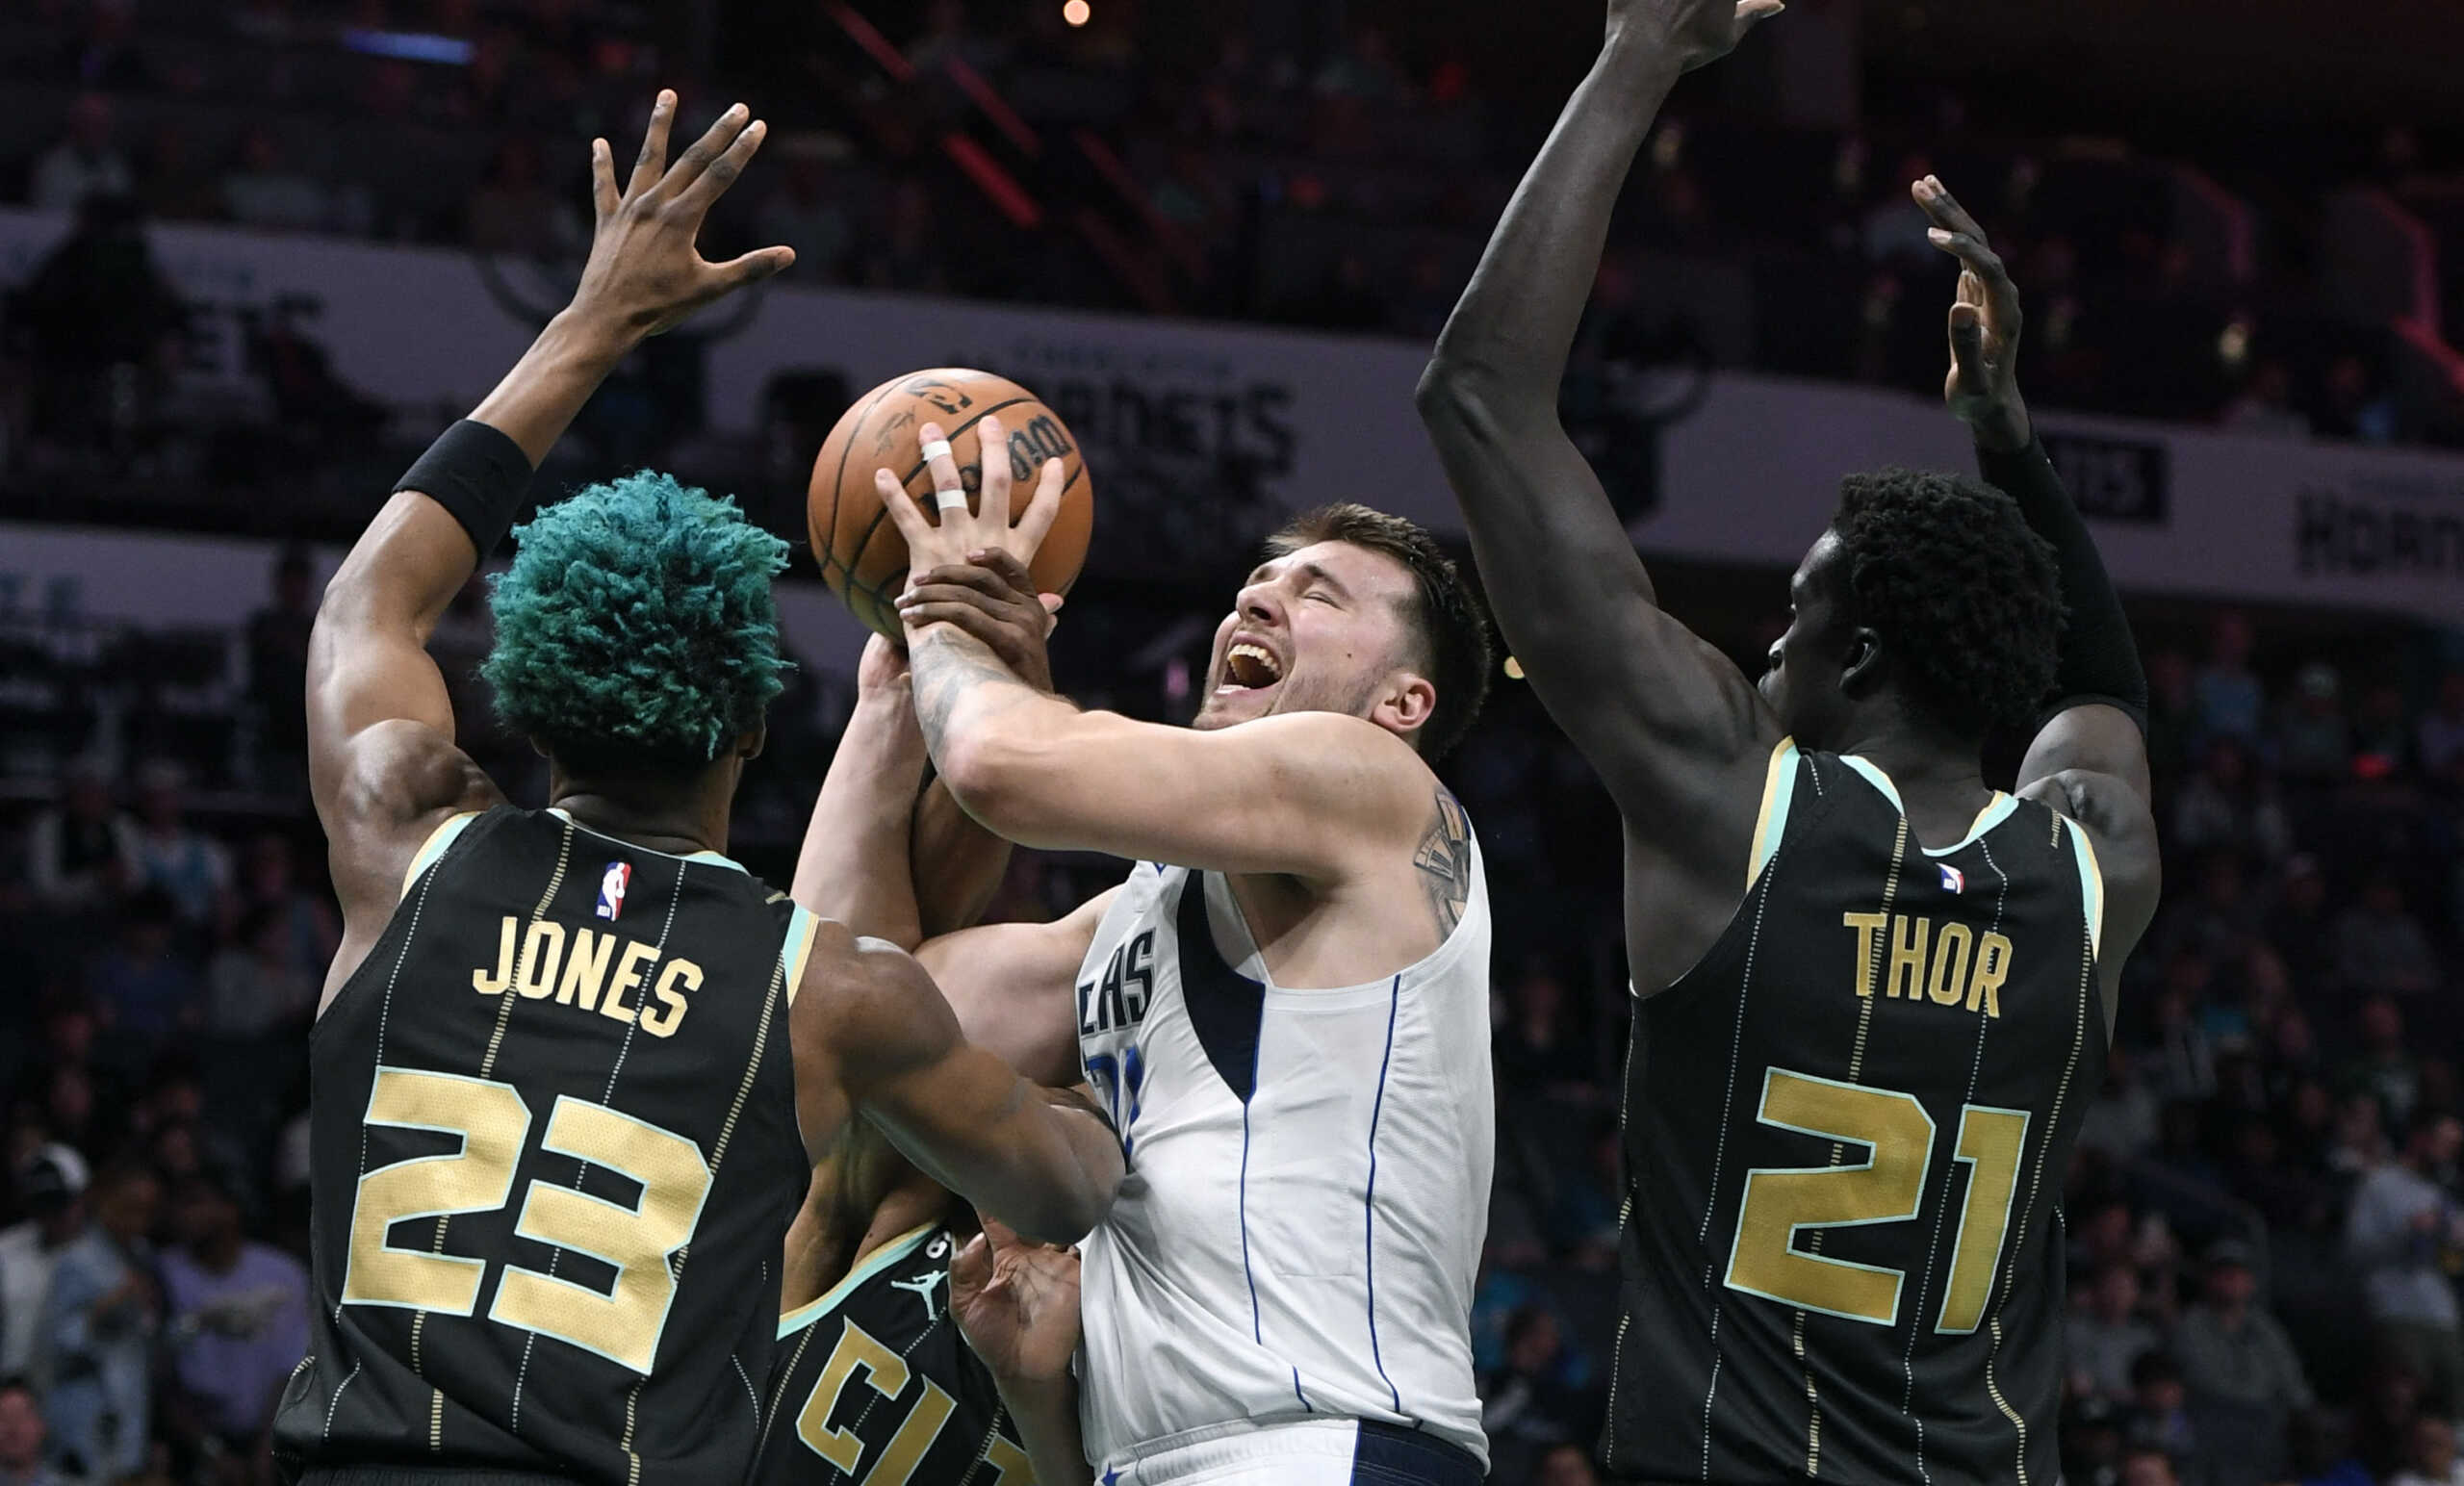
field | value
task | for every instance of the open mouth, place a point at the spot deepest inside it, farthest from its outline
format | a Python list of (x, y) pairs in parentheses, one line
[(1248, 666)]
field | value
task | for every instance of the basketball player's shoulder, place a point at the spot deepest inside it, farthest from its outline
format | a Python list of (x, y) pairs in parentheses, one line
[(402, 779)]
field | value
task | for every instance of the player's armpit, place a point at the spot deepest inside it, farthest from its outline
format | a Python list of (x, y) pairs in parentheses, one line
[(1316, 794), (875, 1039), (2112, 812)]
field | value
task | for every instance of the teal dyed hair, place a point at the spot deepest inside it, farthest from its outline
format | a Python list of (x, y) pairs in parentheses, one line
[(637, 627)]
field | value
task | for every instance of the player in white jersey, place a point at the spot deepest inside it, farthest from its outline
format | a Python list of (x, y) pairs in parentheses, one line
[(1284, 1007)]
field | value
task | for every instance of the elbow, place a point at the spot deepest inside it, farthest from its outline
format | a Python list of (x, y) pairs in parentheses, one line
[(1451, 392), (1010, 780), (984, 780), (1467, 405), (1071, 1210)]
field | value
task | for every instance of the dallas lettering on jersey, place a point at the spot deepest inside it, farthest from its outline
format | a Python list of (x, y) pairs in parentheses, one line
[(1947, 964), (589, 974), (1128, 985)]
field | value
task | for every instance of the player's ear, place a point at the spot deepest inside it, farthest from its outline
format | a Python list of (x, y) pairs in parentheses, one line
[(749, 745), (1409, 704), (1861, 668)]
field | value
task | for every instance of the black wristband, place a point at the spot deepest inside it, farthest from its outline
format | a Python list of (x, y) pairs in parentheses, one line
[(478, 474)]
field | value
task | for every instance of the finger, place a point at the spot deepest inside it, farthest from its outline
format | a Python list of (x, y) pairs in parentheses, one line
[(997, 634), (1750, 13), (1045, 509), (944, 468), (903, 512), (603, 199), (698, 156), (754, 267), (1968, 344), (1971, 288), (972, 1265), (722, 171), (1002, 1235), (653, 159), (993, 485), (1003, 564), (1938, 203), (1001, 608), (975, 577)]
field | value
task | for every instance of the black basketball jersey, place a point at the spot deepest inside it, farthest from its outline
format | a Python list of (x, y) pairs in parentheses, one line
[(874, 1385), (1845, 1136), (553, 1155)]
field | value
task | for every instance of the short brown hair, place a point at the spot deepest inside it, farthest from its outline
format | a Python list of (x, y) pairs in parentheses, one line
[(1454, 635)]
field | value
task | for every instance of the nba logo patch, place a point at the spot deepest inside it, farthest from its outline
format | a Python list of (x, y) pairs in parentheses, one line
[(612, 888), (1953, 880)]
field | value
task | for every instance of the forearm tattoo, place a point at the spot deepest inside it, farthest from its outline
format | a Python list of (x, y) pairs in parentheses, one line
[(947, 664)]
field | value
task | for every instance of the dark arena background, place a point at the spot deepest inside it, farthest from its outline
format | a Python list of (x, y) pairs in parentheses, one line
[(256, 253)]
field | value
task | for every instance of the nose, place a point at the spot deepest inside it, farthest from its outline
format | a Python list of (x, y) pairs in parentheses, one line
[(1771, 656), (1259, 604)]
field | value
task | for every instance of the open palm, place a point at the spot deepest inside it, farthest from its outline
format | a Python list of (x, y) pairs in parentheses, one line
[(1016, 1303)]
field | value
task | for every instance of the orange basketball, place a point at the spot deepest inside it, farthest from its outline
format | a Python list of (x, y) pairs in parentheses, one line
[(863, 556)]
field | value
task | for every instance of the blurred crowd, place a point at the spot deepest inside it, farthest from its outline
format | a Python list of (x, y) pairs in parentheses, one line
[(1274, 164)]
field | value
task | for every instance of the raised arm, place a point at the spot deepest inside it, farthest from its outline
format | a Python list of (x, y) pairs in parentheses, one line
[(383, 767), (2089, 756), (1042, 1161), (1658, 714), (1312, 794)]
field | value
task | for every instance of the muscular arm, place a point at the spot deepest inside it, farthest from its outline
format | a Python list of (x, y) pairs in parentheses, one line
[(382, 765), (1667, 721), (878, 857), (2089, 759), (1014, 987), (1039, 1160), (1316, 795)]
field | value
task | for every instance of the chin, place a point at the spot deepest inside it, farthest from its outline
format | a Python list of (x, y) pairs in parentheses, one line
[(1228, 708)]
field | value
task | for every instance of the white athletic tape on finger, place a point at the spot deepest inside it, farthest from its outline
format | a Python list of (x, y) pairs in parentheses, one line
[(951, 499), (938, 448)]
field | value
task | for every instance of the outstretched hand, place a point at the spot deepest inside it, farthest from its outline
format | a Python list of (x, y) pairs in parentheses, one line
[(1982, 385), (1016, 1303), (1695, 32), (645, 274), (961, 528)]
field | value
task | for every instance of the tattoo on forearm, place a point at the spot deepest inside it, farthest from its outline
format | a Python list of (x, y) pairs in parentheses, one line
[(1445, 863), (947, 664)]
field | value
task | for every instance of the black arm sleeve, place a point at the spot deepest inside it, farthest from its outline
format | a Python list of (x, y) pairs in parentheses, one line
[(2100, 658)]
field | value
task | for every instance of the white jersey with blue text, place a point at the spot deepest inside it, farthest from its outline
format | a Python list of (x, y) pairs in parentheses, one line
[(1308, 1179)]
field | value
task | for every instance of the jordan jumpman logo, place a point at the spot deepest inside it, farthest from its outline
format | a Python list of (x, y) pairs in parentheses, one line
[(923, 1287)]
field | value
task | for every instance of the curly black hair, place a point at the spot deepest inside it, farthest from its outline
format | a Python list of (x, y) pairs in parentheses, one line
[(1964, 595)]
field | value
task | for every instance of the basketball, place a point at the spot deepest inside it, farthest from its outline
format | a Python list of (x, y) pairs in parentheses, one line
[(863, 557)]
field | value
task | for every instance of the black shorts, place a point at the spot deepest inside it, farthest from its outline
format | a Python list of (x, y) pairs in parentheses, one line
[(425, 1475)]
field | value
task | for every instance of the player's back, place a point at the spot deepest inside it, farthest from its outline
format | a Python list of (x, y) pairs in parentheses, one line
[(873, 1382), (1846, 1131), (554, 1154)]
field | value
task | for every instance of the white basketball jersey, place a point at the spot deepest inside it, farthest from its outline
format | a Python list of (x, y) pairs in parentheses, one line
[(1308, 1179)]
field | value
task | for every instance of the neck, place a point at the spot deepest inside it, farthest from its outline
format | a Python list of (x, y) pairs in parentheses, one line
[(1920, 761), (219, 1253), (655, 815)]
